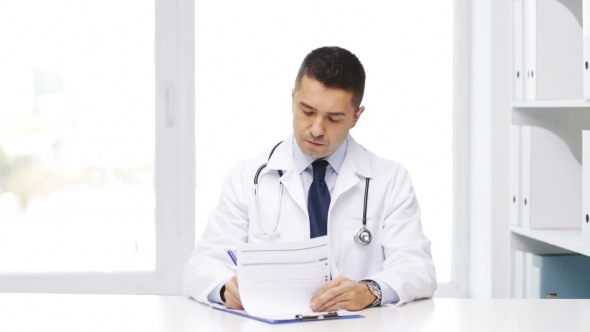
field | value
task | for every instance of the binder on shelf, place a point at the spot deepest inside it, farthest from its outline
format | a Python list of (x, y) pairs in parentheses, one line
[(528, 275), (524, 211), (586, 47), (518, 274), (560, 276), (513, 175), (529, 29), (518, 49), (553, 56), (550, 181), (586, 188)]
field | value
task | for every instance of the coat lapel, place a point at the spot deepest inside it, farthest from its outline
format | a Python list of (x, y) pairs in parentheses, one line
[(355, 168), (282, 159)]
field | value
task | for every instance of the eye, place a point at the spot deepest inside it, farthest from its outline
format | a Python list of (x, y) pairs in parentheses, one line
[(335, 119), (306, 112)]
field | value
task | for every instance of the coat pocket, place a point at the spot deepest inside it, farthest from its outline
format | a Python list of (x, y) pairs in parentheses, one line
[(355, 261)]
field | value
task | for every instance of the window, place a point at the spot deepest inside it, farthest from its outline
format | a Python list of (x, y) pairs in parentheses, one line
[(83, 139), (247, 57)]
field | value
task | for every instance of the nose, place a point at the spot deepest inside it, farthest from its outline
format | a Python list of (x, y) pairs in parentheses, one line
[(317, 127)]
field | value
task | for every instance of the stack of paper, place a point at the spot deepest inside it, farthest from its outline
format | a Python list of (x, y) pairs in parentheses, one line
[(278, 280)]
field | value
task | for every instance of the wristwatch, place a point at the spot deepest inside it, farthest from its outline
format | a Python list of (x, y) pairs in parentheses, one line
[(376, 290)]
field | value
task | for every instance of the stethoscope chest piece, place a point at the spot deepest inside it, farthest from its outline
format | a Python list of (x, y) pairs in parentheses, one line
[(363, 237)]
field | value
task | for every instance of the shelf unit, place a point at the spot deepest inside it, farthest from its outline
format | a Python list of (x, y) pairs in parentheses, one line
[(567, 239), (531, 104), (540, 101)]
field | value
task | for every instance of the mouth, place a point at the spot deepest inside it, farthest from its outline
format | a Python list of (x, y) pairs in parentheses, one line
[(314, 143)]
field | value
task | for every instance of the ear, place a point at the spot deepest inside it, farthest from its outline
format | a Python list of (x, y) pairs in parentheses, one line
[(357, 115)]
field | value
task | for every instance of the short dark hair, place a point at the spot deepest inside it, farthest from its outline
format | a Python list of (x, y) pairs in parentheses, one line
[(335, 67)]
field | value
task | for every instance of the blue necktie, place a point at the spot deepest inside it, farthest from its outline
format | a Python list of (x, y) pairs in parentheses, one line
[(318, 200)]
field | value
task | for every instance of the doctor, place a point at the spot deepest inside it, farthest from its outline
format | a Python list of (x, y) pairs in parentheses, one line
[(326, 184)]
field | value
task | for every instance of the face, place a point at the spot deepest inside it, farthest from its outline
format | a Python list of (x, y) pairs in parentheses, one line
[(322, 117)]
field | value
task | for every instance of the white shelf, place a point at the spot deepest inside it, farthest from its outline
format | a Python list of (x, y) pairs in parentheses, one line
[(577, 103), (551, 39), (569, 239)]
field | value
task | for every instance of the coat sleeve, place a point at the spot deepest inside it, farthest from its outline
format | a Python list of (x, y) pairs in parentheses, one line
[(209, 264), (408, 265)]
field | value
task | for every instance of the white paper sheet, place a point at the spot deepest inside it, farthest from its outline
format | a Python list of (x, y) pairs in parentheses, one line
[(279, 279)]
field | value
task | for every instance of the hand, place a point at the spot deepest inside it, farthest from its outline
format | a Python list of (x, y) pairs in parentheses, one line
[(232, 294), (342, 293)]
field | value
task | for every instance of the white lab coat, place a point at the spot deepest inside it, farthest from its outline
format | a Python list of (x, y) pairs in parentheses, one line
[(398, 255)]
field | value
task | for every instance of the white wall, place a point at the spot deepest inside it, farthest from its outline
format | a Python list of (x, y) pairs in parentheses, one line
[(245, 72)]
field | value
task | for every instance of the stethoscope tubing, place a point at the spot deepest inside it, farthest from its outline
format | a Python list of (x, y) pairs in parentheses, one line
[(359, 236), (365, 204), (256, 194), (258, 209)]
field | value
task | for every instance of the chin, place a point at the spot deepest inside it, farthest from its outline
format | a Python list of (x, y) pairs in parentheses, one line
[(311, 151), (316, 154)]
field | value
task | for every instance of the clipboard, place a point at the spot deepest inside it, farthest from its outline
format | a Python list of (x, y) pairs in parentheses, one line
[(295, 319)]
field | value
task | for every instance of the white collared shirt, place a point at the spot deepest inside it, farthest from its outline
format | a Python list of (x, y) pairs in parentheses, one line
[(305, 169)]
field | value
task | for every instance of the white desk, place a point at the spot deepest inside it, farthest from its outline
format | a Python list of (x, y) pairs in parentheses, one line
[(64, 312)]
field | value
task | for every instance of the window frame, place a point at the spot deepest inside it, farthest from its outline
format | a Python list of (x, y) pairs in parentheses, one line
[(174, 173), (458, 286)]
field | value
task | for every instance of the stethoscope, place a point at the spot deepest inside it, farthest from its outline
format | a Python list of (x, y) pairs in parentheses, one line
[(362, 237)]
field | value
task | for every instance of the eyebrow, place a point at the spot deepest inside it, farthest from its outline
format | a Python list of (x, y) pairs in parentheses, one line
[(329, 113)]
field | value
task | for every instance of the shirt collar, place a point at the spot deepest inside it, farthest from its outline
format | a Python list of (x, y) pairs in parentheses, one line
[(302, 161)]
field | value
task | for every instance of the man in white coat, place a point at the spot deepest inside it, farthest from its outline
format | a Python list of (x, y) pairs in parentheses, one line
[(325, 174)]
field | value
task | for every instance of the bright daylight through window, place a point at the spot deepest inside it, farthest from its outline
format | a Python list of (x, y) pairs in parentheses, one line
[(247, 57), (77, 136)]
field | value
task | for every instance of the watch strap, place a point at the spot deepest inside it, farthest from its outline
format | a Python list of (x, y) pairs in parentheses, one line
[(376, 290)]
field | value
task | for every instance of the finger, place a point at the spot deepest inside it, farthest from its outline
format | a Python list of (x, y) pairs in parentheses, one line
[(345, 291), (234, 305), (340, 305), (353, 301), (326, 287), (232, 294), (330, 284), (328, 295), (233, 281), (231, 297), (230, 304), (342, 296), (234, 298), (233, 289)]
